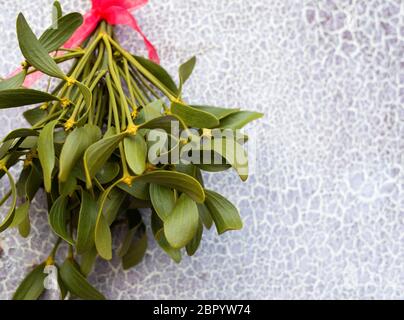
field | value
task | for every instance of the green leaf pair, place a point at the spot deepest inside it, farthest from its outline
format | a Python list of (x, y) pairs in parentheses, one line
[(180, 218), (183, 218), (181, 226), (98, 154), (77, 142)]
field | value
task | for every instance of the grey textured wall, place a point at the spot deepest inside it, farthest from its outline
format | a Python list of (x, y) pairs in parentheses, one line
[(324, 211)]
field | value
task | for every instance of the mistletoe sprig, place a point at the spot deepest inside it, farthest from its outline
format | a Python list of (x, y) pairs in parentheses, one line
[(88, 148)]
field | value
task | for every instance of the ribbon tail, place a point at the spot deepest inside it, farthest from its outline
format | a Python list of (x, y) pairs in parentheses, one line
[(127, 4), (32, 78), (29, 79), (91, 21), (134, 4), (119, 15)]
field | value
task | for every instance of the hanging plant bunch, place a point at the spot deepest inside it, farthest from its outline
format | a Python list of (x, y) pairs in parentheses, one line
[(88, 148)]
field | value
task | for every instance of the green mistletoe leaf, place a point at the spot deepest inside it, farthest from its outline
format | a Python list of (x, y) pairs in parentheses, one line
[(163, 123), (34, 181), (128, 240), (175, 180), (158, 231), (34, 52), (33, 116), (181, 225), (73, 149), (135, 253), (163, 200), (136, 153), (194, 117), (86, 92), (11, 211), (217, 112), (25, 227), (67, 187), (59, 217), (20, 214), (46, 153), (21, 133), (224, 213), (193, 246), (98, 154), (153, 110), (86, 225), (205, 215), (87, 261), (57, 10), (57, 35), (108, 172), (239, 120), (32, 286), (161, 74), (161, 239), (113, 204), (138, 190), (186, 70), (77, 284), (13, 98), (103, 238)]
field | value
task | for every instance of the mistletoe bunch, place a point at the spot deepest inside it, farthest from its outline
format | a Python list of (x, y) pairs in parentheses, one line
[(89, 148)]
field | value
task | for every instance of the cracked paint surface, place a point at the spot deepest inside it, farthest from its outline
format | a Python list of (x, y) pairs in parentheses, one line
[(324, 208)]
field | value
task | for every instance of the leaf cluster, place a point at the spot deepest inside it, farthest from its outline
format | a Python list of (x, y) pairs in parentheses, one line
[(87, 148)]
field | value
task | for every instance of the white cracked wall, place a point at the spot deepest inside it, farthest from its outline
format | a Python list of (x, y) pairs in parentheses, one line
[(324, 210)]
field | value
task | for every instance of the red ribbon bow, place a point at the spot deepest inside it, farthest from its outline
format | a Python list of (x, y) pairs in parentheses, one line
[(114, 12)]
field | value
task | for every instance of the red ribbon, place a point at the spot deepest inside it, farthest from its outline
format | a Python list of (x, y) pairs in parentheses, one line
[(112, 11)]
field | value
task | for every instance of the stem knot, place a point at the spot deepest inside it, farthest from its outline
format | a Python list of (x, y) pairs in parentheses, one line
[(70, 81)]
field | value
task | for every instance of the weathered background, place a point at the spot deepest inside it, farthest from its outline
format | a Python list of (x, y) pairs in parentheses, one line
[(324, 211)]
